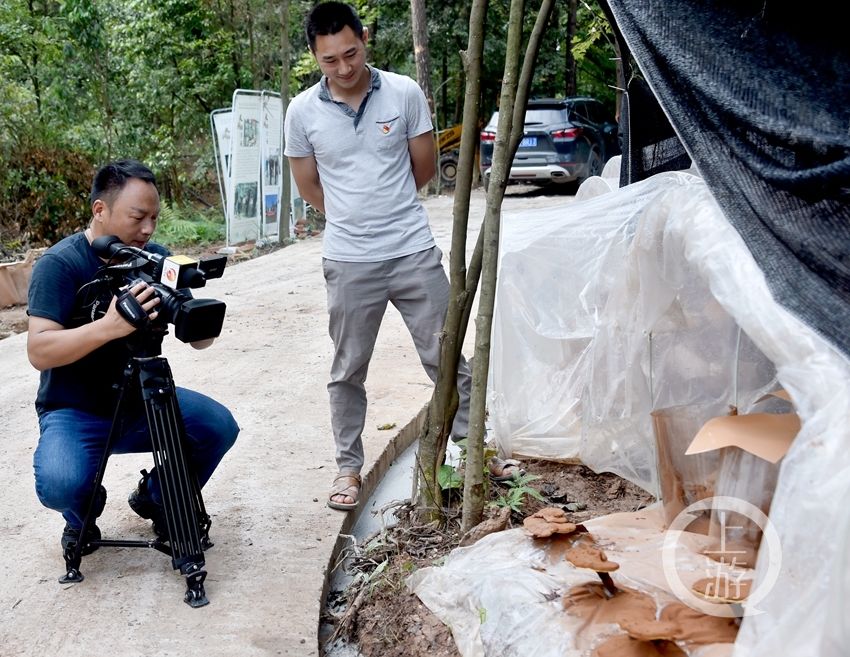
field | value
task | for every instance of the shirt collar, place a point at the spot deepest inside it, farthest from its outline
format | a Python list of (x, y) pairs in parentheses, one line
[(374, 83)]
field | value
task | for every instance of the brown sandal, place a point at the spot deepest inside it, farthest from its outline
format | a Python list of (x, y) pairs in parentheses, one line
[(347, 485), (504, 469)]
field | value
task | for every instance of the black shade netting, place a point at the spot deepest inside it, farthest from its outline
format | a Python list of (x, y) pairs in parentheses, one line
[(759, 96), (650, 144)]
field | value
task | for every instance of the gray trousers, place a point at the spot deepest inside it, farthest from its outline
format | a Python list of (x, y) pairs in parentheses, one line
[(358, 293)]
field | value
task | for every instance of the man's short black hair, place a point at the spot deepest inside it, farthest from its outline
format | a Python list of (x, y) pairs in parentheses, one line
[(330, 18), (111, 178)]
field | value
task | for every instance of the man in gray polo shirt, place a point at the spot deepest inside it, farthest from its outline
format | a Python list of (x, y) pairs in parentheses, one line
[(360, 144)]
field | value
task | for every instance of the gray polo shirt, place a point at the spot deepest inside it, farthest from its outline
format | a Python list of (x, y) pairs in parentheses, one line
[(372, 209)]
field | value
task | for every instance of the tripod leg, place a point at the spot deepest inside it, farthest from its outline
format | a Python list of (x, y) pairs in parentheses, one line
[(195, 594), (181, 498), (73, 553)]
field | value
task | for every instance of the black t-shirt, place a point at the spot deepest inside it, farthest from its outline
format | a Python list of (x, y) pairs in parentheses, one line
[(61, 290)]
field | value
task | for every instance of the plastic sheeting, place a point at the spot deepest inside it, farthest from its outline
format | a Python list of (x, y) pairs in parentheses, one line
[(554, 264), (644, 298), (504, 594)]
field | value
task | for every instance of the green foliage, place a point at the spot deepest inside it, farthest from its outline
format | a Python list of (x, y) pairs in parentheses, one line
[(451, 478), (489, 450), (185, 225), (448, 477), (43, 193), (86, 81), (517, 489), (371, 579)]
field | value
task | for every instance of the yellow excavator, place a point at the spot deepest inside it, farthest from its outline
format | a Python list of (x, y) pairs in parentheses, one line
[(448, 142)]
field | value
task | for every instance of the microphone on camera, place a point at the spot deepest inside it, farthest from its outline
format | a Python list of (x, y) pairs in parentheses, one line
[(109, 247), (175, 271)]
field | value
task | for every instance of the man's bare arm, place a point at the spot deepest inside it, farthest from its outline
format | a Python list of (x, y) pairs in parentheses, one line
[(306, 175), (422, 158), (49, 344)]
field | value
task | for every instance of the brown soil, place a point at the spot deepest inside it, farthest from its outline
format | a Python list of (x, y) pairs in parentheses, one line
[(385, 620), (13, 319)]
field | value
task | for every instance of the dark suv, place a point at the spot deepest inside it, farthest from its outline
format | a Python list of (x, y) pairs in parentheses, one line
[(565, 140)]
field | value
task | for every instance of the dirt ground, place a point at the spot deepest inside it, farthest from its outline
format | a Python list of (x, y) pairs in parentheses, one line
[(273, 534), (385, 620), (13, 319)]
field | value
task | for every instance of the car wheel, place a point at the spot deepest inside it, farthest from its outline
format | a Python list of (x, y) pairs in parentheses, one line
[(594, 165)]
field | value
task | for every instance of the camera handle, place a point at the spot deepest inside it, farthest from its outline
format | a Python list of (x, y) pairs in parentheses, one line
[(186, 517), (130, 309)]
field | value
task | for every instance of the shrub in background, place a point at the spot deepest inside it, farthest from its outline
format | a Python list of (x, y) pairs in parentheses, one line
[(184, 225), (44, 194)]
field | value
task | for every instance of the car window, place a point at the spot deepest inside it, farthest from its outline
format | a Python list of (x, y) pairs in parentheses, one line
[(546, 114), (534, 116), (580, 111), (543, 116), (597, 114)]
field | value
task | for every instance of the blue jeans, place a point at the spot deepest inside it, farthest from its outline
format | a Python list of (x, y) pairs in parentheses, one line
[(72, 443)]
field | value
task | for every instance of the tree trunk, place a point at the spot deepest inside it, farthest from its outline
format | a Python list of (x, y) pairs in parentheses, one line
[(444, 100), (33, 69), (509, 132), (443, 405), (624, 59), (570, 72), (422, 55), (235, 48), (285, 187), (252, 57), (419, 24)]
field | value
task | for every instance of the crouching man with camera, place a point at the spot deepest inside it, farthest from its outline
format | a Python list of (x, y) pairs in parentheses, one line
[(80, 341)]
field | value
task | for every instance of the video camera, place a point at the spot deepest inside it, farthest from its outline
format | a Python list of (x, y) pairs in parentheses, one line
[(169, 276)]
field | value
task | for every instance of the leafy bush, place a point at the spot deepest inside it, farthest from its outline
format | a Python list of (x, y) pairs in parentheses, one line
[(181, 225), (43, 194), (517, 489)]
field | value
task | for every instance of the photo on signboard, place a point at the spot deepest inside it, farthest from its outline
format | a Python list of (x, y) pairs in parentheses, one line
[(272, 168), (271, 208), (245, 201), (249, 130)]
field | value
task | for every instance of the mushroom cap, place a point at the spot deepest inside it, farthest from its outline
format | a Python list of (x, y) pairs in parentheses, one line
[(698, 628), (548, 521), (551, 514), (588, 556), (621, 645), (644, 630), (541, 528)]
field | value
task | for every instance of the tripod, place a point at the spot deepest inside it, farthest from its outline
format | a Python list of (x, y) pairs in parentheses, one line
[(186, 518)]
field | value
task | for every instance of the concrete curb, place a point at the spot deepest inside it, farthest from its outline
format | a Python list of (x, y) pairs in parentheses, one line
[(396, 446)]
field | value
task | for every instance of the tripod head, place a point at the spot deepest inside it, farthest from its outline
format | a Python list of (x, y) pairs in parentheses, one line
[(146, 342)]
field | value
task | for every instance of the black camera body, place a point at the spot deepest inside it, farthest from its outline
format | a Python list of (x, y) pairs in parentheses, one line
[(170, 277)]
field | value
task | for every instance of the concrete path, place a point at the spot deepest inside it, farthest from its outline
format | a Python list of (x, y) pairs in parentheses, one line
[(273, 534)]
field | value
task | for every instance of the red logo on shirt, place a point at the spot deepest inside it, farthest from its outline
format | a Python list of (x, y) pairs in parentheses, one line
[(386, 128)]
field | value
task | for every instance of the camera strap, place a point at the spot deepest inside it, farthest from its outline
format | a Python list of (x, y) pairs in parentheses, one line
[(131, 310)]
